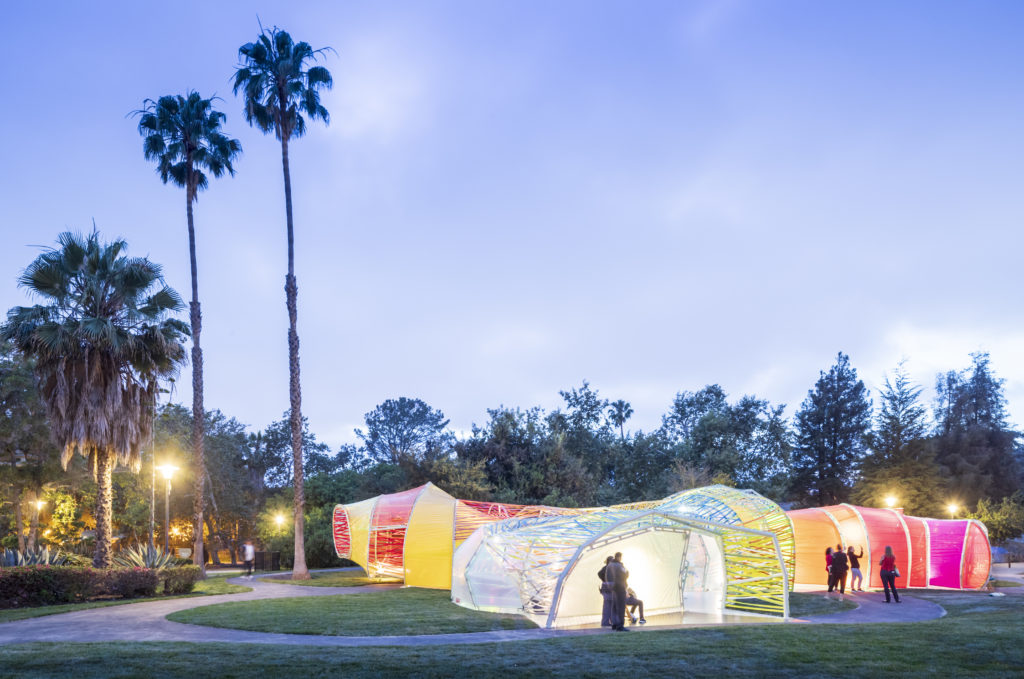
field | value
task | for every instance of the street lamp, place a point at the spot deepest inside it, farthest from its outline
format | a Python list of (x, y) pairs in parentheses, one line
[(952, 508), (890, 502), (168, 471), (279, 520)]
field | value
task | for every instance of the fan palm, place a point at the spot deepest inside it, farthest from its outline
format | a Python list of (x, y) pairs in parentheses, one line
[(618, 412), (183, 135), (101, 342), (279, 93)]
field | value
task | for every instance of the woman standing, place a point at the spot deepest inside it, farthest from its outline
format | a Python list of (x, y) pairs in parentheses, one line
[(606, 593), (828, 567), (889, 574), (856, 579)]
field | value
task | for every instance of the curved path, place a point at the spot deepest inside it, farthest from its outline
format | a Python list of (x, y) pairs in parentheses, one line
[(146, 621)]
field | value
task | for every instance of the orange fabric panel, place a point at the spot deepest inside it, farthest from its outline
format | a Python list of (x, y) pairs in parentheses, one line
[(977, 558), (918, 528), (813, 531)]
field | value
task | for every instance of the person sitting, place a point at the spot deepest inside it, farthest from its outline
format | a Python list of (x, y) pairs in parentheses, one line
[(633, 603)]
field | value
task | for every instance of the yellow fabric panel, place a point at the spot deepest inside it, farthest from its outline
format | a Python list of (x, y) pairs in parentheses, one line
[(428, 540), (359, 528)]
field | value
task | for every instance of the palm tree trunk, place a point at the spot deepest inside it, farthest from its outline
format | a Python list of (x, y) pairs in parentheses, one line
[(18, 518), (198, 414), (33, 526), (291, 291), (104, 557)]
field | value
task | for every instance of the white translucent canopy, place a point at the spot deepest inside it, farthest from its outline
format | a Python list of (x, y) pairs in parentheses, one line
[(546, 568)]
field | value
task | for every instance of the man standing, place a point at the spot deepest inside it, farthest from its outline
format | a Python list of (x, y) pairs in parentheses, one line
[(618, 575), (248, 555)]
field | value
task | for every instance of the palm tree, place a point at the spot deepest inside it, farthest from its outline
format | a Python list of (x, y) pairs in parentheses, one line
[(183, 135), (279, 91), (618, 412), (101, 342)]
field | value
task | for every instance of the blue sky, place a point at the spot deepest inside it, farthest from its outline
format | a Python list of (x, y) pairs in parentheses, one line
[(514, 197)]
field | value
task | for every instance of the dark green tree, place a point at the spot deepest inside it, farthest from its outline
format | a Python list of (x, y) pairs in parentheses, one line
[(183, 135), (973, 442), (279, 92), (404, 430), (832, 429), (901, 462), (101, 343), (618, 413)]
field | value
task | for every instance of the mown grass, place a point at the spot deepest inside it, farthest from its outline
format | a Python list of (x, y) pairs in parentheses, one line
[(409, 611), (352, 578), (981, 637), (213, 584), (1006, 583), (805, 604)]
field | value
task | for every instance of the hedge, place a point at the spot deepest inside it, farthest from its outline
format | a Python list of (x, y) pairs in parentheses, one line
[(42, 585), (181, 579)]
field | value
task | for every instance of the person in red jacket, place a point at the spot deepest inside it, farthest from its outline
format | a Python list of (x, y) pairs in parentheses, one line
[(889, 573)]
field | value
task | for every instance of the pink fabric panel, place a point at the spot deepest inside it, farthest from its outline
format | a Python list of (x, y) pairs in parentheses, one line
[(978, 559), (918, 576), (946, 553), (885, 530)]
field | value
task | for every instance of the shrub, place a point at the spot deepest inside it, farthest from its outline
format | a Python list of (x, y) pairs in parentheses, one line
[(128, 583), (181, 579), (24, 586), (143, 556), (31, 557)]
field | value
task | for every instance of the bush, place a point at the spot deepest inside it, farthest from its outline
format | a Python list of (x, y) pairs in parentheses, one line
[(143, 556), (128, 583), (181, 579), (24, 586)]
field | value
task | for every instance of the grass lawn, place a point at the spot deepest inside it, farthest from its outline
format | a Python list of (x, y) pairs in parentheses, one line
[(353, 578), (1006, 583), (805, 604), (981, 637), (394, 612), (213, 584)]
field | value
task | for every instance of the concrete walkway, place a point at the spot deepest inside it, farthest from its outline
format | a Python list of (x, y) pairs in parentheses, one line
[(146, 621)]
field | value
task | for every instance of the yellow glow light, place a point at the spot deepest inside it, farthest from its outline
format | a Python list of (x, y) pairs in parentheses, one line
[(890, 501), (953, 509), (279, 520), (167, 470), (40, 504)]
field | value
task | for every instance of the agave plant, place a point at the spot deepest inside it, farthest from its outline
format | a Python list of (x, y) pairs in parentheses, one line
[(33, 557), (143, 556)]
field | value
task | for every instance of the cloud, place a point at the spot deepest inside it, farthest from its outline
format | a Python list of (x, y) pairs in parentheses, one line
[(381, 89)]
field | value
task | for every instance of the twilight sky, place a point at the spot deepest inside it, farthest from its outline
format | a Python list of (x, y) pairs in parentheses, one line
[(514, 197)]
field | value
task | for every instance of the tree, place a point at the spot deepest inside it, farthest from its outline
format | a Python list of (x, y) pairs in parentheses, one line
[(901, 462), (402, 431), (1004, 519), (28, 458), (183, 135), (101, 343), (832, 432), (278, 90), (747, 442), (618, 412), (974, 444)]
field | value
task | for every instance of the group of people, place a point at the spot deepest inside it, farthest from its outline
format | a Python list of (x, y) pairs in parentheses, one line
[(839, 562), (617, 595)]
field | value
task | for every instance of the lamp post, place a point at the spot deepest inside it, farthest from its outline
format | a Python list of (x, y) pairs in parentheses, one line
[(279, 520), (952, 508), (168, 471), (890, 502)]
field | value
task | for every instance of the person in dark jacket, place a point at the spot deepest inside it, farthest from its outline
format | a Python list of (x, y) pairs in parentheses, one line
[(837, 578), (856, 578), (618, 575), (606, 594)]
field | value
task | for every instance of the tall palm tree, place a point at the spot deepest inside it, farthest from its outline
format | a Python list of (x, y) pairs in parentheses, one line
[(279, 93), (618, 412), (183, 135), (101, 342)]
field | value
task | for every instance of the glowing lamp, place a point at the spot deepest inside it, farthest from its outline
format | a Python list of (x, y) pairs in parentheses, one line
[(890, 502), (952, 508), (279, 520), (167, 470), (40, 504)]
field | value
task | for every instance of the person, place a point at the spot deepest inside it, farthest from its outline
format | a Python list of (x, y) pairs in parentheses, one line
[(618, 576), (607, 594), (633, 603), (889, 573), (248, 556), (856, 578), (839, 568), (828, 564)]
